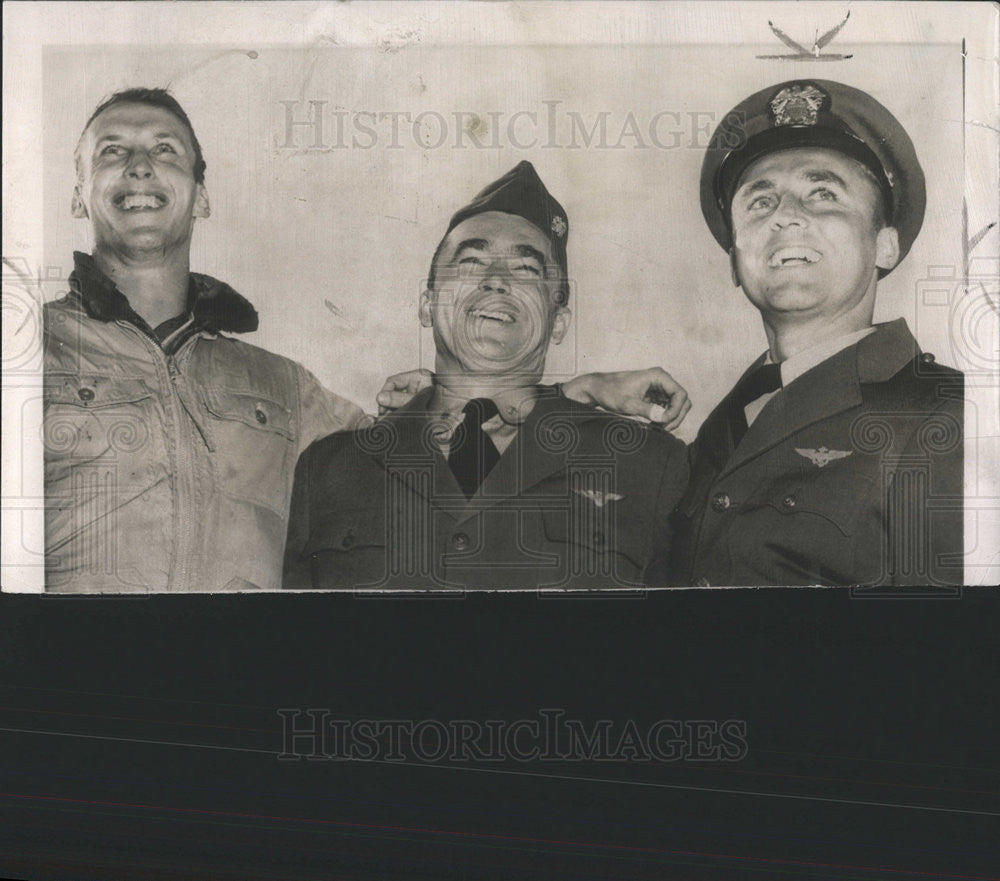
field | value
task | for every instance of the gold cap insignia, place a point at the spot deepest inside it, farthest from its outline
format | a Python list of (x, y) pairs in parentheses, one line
[(558, 226), (798, 104)]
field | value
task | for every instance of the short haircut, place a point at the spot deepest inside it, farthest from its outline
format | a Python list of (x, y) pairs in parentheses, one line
[(153, 98), (432, 275), (883, 212)]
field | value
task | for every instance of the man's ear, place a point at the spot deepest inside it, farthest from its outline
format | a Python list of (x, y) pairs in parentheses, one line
[(560, 324), (426, 319), (734, 273), (887, 248), (201, 206), (76, 206)]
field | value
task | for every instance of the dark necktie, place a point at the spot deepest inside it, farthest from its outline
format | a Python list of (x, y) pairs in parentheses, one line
[(760, 381), (472, 453)]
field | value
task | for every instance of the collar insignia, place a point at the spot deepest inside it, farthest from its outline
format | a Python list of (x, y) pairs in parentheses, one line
[(600, 499), (822, 456), (558, 226), (798, 104)]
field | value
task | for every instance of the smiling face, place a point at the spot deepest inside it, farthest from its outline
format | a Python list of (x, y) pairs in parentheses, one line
[(807, 237), (136, 181), (496, 300)]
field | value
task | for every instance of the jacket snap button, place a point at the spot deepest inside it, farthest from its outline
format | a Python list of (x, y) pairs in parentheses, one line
[(927, 357), (720, 502), (789, 501), (86, 394), (260, 415), (460, 541)]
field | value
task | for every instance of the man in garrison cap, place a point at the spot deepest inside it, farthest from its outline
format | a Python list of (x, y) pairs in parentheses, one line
[(488, 479), (170, 446), (837, 457)]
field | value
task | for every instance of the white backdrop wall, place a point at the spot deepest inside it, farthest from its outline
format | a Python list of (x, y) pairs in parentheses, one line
[(329, 230)]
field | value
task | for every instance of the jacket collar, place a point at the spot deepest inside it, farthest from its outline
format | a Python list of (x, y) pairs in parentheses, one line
[(883, 354), (538, 450), (828, 388), (213, 304)]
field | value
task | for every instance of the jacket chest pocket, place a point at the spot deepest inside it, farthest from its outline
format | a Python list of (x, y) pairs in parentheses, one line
[(89, 416), (805, 528), (255, 446), (817, 503), (350, 549), (595, 545)]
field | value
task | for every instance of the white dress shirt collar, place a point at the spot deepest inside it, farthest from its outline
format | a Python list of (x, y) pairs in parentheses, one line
[(792, 368)]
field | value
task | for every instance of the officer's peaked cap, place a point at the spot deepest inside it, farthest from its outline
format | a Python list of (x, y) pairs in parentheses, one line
[(814, 113)]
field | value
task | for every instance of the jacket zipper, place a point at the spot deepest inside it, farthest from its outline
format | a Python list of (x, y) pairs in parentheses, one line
[(185, 526), (184, 506)]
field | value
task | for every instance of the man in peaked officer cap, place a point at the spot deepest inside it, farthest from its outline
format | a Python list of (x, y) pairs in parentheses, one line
[(837, 457), (488, 479)]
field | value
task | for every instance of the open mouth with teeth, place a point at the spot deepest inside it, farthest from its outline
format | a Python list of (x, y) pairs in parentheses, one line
[(139, 201), (502, 316), (796, 256)]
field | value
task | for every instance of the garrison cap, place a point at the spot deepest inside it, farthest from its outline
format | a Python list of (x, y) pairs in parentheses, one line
[(521, 191), (814, 113)]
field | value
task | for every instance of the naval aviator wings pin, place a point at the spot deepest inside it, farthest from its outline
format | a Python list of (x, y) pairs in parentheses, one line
[(822, 456), (600, 499)]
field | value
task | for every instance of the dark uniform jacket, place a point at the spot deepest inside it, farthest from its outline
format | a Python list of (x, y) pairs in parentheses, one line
[(852, 474), (579, 499)]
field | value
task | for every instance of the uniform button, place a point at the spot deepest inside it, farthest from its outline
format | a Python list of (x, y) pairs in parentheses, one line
[(86, 394), (460, 541), (348, 539), (927, 357), (260, 415), (598, 537), (702, 582), (720, 502), (789, 501)]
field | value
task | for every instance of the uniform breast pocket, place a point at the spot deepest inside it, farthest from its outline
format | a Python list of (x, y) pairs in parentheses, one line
[(350, 549), (594, 547), (826, 502), (819, 528), (91, 416), (255, 446)]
